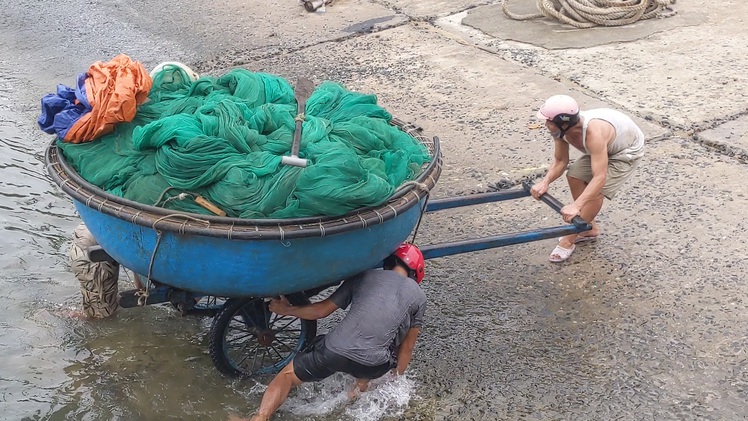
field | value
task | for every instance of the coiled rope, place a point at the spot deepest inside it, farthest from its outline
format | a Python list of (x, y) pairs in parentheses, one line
[(590, 13)]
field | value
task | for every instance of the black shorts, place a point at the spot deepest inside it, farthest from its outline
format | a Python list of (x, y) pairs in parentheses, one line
[(317, 362)]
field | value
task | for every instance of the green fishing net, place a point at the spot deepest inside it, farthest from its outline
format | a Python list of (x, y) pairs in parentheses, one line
[(223, 138)]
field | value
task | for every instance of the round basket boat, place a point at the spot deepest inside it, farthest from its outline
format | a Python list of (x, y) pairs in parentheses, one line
[(233, 257)]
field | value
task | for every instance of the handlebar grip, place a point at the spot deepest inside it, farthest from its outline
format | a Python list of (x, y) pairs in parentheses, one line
[(579, 222), (556, 205)]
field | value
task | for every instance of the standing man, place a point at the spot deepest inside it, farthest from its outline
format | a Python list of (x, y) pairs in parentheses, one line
[(612, 145), (377, 335)]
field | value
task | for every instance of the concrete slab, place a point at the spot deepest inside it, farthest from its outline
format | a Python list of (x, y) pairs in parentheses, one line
[(551, 34), (666, 251), (263, 26), (424, 9), (731, 137), (673, 77)]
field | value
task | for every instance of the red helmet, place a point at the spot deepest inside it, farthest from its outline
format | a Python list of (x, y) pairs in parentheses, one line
[(413, 258)]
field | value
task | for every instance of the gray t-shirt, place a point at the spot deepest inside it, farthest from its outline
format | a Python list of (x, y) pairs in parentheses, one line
[(384, 306)]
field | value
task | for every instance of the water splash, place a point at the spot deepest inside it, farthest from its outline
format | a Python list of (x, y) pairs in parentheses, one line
[(387, 396)]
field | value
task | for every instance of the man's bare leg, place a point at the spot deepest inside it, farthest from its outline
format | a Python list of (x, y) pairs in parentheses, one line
[(360, 386), (588, 212), (276, 393)]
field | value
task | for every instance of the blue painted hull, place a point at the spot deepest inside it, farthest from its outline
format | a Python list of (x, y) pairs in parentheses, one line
[(246, 268)]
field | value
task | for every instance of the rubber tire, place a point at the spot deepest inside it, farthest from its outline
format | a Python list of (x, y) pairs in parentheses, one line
[(221, 323)]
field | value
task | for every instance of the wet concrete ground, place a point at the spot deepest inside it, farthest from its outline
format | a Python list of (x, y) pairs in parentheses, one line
[(646, 323)]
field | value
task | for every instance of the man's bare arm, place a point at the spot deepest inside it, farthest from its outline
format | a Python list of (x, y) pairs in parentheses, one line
[(599, 135), (560, 161), (312, 311), (558, 166), (405, 352)]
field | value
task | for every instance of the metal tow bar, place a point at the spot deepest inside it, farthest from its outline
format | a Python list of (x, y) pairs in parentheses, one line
[(483, 243)]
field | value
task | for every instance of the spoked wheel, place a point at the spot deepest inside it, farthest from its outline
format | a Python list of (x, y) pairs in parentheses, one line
[(247, 340)]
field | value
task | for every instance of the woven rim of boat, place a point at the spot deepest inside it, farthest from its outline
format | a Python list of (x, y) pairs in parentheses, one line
[(406, 196)]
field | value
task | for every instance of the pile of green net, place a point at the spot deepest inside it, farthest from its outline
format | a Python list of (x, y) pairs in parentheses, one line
[(223, 138)]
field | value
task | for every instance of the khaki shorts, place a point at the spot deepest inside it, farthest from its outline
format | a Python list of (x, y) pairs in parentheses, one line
[(317, 363), (618, 172)]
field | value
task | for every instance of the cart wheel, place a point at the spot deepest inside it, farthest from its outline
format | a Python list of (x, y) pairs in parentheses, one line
[(247, 340)]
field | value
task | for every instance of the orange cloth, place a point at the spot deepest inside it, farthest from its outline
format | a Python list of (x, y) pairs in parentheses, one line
[(114, 90)]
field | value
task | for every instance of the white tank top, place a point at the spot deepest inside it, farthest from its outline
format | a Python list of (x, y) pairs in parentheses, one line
[(629, 141)]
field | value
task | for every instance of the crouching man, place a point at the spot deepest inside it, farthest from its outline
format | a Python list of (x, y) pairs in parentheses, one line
[(377, 335)]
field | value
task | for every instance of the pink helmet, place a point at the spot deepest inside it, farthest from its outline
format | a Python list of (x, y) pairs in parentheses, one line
[(560, 109)]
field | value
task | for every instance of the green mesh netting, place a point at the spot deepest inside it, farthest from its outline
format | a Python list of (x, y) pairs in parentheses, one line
[(223, 138)]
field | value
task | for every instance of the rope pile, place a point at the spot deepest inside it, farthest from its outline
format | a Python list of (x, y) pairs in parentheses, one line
[(590, 13)]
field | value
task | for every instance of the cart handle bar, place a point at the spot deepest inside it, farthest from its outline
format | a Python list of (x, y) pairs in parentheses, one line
[(483, 243)]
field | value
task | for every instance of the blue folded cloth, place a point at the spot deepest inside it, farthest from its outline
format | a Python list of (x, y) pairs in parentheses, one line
[(61, 110)]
